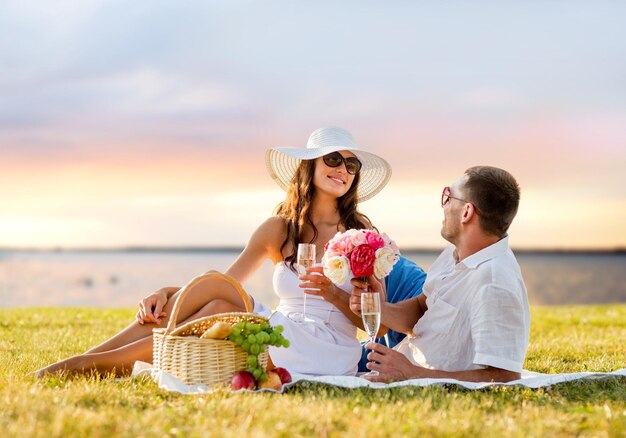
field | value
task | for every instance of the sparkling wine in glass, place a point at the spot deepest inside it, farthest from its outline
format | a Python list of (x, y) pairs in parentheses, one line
[(370, 313), (306, 259)]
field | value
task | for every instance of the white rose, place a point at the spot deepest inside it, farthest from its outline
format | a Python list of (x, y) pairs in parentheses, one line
[(336, 268), (385, 259)]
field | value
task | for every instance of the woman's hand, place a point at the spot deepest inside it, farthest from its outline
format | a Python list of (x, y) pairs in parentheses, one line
[(316, 283), (151, 308)]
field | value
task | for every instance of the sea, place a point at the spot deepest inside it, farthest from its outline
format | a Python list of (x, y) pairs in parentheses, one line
[(120, 278)]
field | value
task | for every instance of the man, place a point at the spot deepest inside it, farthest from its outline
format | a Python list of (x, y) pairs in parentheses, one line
[(472, 320)]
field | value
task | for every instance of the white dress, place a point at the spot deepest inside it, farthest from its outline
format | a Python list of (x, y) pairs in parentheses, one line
[(327, 345)]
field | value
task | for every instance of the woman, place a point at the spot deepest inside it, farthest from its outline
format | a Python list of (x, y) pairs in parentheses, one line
[(324, 184)]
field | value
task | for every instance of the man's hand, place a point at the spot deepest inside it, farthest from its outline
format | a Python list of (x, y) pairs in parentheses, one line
[(358, 287), (390, 364)]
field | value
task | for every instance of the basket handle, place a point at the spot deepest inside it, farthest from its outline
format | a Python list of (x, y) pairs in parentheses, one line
[(199, 279)]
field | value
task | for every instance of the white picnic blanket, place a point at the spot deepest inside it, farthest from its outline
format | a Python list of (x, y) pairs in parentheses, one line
[(529, 379)]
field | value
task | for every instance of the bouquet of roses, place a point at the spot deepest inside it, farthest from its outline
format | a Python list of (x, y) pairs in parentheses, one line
[(362, 252)]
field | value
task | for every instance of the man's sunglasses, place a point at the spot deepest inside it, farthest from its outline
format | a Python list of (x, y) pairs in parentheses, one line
[(445, 198), (334, 159)]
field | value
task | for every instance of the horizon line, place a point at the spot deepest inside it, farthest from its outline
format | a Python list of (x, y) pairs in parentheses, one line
[(238, 248)]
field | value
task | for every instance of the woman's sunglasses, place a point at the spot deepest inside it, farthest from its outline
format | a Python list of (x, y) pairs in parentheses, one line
[(334, 159)]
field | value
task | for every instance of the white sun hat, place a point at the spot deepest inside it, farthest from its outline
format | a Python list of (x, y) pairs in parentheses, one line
[(282, 162)]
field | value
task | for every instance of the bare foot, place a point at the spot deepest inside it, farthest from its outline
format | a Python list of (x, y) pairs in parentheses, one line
[(66, 366)]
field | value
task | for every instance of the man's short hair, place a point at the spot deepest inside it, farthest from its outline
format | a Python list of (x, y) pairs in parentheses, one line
[(496, 194)]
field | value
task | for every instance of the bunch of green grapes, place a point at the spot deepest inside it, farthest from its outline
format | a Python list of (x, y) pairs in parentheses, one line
[(253, 338)]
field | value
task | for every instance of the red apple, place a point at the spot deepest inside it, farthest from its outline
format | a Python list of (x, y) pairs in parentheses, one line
[(243, 380), (272, 382), (284, 375)]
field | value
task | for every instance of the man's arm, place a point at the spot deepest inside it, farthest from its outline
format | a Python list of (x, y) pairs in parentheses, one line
[(393, 365), (400, 317), (403, 316)]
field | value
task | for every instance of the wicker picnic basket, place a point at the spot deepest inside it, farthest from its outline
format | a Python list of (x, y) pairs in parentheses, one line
[(194, 360)]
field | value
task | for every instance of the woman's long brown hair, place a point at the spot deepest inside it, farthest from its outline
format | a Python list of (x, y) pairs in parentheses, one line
[(296, 209)]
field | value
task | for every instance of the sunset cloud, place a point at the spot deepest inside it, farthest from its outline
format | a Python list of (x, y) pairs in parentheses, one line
[(146, 123)]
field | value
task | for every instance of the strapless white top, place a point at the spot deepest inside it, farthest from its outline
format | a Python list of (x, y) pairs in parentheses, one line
[(292, 296), (325, 344)]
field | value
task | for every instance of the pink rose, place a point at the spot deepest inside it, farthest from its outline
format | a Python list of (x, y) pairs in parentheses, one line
[(332, 248), (374, 240), (346, 244), (362, 261), (337, 246), (357, 237)]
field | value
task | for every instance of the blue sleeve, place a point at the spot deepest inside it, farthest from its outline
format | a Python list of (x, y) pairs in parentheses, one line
[(404, 282)]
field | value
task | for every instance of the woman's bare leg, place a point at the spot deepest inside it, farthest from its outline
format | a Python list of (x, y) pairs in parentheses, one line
[(205, 298), (121, 360), (199, 296), (118, 362)]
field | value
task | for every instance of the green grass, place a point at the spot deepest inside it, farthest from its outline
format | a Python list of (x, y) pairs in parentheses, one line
[(563, 339)]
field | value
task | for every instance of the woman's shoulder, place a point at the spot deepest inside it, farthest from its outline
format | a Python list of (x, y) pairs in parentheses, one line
[(273, 228), (274, 223), (271, 234)]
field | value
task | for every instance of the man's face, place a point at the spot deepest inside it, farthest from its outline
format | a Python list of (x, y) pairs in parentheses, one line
[(453, 211)]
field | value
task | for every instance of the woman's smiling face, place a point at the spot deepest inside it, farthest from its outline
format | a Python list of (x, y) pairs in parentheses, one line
[(335, 181)]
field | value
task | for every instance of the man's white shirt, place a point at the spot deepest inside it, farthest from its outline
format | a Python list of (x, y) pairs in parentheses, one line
[(477, 315)]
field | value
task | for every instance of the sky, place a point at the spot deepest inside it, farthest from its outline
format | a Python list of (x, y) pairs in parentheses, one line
[(145, 123)]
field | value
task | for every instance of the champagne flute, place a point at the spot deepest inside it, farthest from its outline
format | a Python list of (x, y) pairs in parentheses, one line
[(370, 312), (306, 259)]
